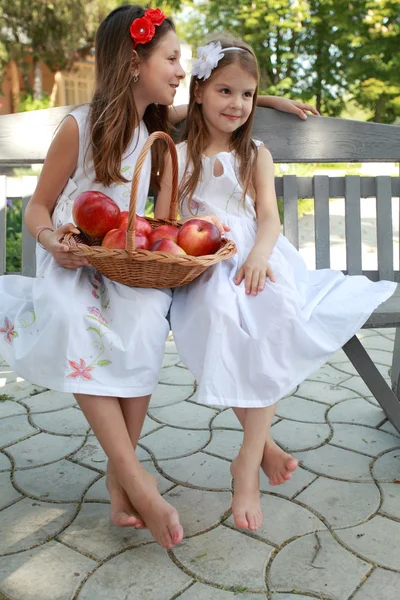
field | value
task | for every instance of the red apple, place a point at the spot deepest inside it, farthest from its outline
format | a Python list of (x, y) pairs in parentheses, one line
[(116, 239), (169, 246), (198, 237), (142, 227), (95, 213), (166, 232)]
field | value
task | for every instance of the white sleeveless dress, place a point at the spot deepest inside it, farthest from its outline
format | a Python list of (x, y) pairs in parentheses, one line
[(75, 330), (250, 351)]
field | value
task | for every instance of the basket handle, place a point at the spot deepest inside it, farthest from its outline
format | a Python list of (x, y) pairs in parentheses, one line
[(156, 135)]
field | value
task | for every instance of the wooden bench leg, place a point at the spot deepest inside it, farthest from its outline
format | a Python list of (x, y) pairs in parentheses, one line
[(366, 368), (395, 375)]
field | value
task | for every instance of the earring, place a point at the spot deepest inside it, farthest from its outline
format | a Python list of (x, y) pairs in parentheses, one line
[(135, 78)]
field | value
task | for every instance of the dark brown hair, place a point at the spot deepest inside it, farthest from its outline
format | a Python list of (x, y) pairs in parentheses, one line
[(113, 115), (196, 133)]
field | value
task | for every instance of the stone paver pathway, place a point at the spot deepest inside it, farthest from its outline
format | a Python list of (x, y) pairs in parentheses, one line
[(332, 533)]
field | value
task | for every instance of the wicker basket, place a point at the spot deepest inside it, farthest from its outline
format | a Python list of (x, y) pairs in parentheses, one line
[(143, 268)]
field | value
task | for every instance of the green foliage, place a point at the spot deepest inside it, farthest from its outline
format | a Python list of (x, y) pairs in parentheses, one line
[(27, 102), (14, 236)]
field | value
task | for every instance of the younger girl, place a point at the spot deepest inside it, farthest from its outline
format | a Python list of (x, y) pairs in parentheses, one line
[(261, 321)]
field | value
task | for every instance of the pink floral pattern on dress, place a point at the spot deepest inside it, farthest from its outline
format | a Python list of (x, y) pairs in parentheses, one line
[(96, 313), (80, 370), (9, 331)]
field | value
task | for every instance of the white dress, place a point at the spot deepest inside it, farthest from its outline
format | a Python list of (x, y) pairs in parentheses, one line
[(75, 330), (250, 351)]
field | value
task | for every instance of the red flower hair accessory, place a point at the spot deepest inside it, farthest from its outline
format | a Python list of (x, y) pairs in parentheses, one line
[(143, 29)]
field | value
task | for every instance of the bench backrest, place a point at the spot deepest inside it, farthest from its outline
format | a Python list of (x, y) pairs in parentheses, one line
[(25, 137)]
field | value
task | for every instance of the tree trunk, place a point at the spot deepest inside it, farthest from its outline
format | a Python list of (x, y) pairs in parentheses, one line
[(37, 81)]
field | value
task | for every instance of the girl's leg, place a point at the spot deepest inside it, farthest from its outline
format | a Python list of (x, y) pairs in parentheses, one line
[(245, 470), (277, 464), (106, 418), (122, 512)]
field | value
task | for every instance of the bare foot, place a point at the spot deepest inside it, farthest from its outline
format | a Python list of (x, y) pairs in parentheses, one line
[(277, 464), (246, 507), (122, 511), (160, 517)]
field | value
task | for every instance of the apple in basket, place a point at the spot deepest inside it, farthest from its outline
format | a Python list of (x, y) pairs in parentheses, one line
[(116, 240), (165, 245), (95, 213), (198, 237), (142, 227), (167, 232)]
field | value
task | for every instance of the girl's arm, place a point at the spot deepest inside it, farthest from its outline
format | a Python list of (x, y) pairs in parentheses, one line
[(178, 113), (60, 163), (255, 269)]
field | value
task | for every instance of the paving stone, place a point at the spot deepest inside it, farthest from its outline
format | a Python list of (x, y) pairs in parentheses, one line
[(91, 454), (389, 428), (93, 533), (226, 557), (149, 426), (380, 585), (165, 395), (176, 376), (164, 442), (42, 449), (328, 374), (227, 420), (8, 493), (300, 479), (200, 470), (132, 576), (299, 409), (170, 347), (198, 509), (296, 436), (363, 439), (387, 467), (356, 387), (357, 411), (62, 481), (283, 519), (185, 414), (14, 428), (170, 359), (342, 503), (200, 591), (65, 421), (49, 572), (376, 540), (291, 597), (378, 342), (225, 443), (391, 499), (317, 564), (7, 375), (29, 523), (20, 390), (8, 408), (323, 392), (49, 401), (338, 357), (336, 462), (5, 464)]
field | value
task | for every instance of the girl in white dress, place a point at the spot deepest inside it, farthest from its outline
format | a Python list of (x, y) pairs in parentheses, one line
[(254, 326)]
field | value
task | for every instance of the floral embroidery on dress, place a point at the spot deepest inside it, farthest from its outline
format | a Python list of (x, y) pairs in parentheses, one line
[(9, 331), (80, 370), (99, 288), (196, 205), (96, 315)]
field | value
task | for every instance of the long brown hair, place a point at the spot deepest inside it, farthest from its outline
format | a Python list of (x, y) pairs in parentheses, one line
[(113, 115), (196, 133)]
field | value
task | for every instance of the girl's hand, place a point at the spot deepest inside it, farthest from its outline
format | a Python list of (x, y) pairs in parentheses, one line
[(254, 271), (213, 219), (292, 106), (61, 252)]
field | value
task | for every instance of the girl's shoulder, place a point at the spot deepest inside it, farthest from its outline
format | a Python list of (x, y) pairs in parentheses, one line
[(81, 114)]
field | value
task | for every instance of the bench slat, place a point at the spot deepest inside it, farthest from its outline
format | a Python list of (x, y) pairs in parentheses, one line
[(337, 187), (353, 224), (321, 212), (28, 247), (3, 200), (384, 227), (290, 210)]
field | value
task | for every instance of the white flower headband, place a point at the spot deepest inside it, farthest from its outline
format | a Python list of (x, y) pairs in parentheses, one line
[(209, 57)]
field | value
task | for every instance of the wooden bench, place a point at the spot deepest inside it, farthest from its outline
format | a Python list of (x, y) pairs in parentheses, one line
[(25, 137)]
